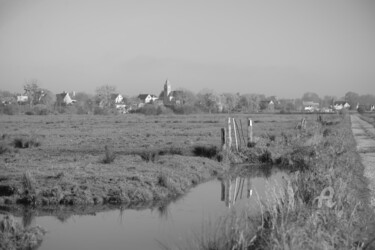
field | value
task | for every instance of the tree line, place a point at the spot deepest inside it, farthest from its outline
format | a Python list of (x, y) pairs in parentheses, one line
[(43, 101)]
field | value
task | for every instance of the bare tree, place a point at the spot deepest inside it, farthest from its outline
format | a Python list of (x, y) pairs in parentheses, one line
[(103, 95), (34, 93)]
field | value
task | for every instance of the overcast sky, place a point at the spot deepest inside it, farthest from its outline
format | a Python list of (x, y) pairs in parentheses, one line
[(282, 48)]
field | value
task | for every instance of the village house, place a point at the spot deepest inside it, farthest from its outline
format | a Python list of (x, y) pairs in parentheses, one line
[(147, 98), (370, 107), (339, 105), (117, 98), (64, 99), (118, 101), (22, 99), (310, 106), (267, 105)]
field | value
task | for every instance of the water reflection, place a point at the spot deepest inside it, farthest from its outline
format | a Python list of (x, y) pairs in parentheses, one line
[(234, 189), (266, 186), (152, 228)]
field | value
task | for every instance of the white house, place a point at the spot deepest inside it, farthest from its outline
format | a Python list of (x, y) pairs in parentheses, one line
[(22, 99), (147, 98), (310, 106), (339, 105), (117, 98), (64, 99)]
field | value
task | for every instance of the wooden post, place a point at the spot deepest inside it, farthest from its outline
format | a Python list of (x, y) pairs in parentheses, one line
[(237, 128), (223, 191), (235, 191), (229, 135), (223, 141), (228, 193), (303, 125), (235, 133), (249, 131), (243, 137)]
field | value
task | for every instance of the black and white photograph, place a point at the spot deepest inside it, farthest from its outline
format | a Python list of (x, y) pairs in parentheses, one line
[(187, 124)]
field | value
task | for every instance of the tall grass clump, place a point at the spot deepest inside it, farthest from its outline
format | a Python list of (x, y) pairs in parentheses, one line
[(163, 180), (14, 236), (28, 182), (29, 142), (109, 155)]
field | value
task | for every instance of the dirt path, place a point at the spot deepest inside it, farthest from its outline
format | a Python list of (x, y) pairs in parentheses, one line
[(364, 134)]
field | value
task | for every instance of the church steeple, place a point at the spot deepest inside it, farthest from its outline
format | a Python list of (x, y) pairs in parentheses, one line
[(167, 91)]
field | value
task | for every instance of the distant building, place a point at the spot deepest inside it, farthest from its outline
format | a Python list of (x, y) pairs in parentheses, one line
[(267, 105), (310, 106), (147, 98), (117, 98), (175, 97), (64, 99), (339, 105)]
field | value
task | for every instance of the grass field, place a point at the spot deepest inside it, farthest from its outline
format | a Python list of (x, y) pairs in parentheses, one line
[(137, 160), (129, 159)]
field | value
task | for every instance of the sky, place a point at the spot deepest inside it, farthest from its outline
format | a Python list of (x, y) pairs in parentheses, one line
[(283, 48)]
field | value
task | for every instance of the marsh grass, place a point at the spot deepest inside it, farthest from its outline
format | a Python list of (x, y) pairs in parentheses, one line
[(292, 217), (14, 236)]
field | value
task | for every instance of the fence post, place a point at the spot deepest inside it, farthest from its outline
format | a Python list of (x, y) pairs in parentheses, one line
[(223, 142), (235, 133), (229, 135), (249, 131)]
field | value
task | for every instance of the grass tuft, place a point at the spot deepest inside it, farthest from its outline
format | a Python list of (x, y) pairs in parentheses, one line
[(109, 155), (26, 142), (28, 183), (163, 180)]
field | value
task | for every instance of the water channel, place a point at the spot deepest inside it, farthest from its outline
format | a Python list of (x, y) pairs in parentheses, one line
[(172, 225)]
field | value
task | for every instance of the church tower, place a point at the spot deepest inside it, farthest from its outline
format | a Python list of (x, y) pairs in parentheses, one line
[(167, 91)]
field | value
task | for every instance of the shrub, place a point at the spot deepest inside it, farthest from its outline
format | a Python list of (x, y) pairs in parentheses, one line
[(185, 109), (10, 109), (361, 110), (162, 110), (149, 109), (101, 111), (40, 109), (26, 142), (205, 151), (265, 157)]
